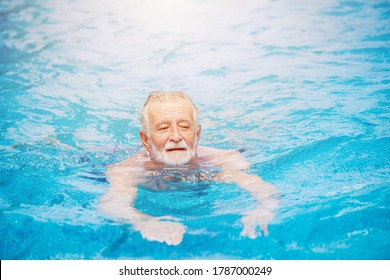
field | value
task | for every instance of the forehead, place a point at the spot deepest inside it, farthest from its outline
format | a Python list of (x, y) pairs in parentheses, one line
[(170, 110)]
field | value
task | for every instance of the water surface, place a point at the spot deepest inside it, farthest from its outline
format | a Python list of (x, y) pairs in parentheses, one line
[(301, 88)]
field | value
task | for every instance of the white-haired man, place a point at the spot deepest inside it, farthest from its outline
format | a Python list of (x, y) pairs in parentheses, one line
[(170, 134)]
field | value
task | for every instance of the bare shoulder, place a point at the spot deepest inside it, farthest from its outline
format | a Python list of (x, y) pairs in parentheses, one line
[(227, 159), (125, 174), (209, 151), (205, 151), (130, 164)]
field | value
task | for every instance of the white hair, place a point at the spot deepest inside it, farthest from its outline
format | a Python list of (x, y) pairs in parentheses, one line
[(165, 96)]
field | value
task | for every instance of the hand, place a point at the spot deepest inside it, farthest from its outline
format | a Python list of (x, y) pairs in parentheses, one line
[(260, 217), (154, 229)]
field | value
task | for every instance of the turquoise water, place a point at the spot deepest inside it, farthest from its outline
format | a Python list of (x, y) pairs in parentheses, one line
[(301, 88)]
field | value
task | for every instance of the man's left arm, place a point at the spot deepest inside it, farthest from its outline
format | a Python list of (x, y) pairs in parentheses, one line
[(263, 192)]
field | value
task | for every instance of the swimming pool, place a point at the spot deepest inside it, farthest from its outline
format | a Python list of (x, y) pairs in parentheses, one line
[(302, 89)]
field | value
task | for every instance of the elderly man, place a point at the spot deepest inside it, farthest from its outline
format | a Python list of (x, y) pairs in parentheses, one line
[(170, 134)]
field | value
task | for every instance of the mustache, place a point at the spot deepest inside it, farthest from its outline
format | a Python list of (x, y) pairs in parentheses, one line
[(172, 145)]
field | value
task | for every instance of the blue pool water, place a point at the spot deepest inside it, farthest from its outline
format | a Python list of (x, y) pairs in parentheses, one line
[(303, 89)]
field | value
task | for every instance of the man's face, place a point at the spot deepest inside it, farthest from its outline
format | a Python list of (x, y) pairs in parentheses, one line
[(172, 136)]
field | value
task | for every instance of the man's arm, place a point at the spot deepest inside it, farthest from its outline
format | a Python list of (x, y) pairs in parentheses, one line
[(232, 165), (118, 202)]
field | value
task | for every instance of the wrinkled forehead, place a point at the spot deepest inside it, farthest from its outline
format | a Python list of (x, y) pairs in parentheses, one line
[(172, 107)]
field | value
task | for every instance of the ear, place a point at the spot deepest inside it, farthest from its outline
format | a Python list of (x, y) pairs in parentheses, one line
[(198, 133), (144, 140)]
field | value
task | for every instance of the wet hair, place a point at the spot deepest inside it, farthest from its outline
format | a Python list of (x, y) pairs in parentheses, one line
[(165, 96)]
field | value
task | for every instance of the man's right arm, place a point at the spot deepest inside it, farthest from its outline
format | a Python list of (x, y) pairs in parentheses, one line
[(118, 202)]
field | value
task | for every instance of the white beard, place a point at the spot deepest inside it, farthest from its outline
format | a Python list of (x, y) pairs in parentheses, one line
[(173, 157)]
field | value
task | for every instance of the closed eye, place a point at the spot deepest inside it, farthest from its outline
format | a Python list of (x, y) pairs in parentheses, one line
[(184, 125)]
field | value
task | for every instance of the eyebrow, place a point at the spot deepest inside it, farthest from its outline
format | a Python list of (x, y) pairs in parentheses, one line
[(168, 122), (161, 123)]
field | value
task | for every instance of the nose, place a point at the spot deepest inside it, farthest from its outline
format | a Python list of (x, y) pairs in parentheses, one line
[(174, 134)]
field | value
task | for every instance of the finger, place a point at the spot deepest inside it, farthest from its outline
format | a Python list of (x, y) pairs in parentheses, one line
[(168, 218), (249, 231), (176, 237), (264, 227)]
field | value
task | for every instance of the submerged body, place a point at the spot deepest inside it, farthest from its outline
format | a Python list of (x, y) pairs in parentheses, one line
[(170, 136)]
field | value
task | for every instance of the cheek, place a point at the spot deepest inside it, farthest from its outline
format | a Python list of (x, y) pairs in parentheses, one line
[(190, 139), (159, 140)]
